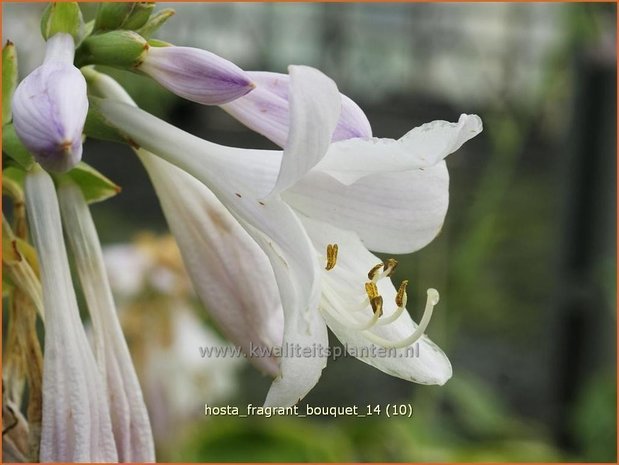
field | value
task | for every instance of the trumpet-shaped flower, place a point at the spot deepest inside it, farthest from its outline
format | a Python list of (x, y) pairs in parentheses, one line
[(217, 251), (130, 422), (196, 74), (76, 425), (382, 194), (50, 106)]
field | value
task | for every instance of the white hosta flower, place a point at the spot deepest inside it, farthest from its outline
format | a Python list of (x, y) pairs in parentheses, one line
[(218, 253), (130, 422), (195, 74), (76, 425), (50, 106), (392, 194), (266, 110)]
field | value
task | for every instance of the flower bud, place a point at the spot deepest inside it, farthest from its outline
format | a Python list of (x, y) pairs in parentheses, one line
[(196, 74), (62, 17), (125, 49), (122, 15), (9, 79), (139, 15), (155, 22), (266, 110), (50, 106)]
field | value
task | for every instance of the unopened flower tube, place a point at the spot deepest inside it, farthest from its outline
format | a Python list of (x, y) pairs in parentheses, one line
[(196, 74), (50, 106)]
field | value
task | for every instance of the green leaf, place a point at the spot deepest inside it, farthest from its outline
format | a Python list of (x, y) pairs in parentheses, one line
[(93, 184), (62, 17), (7, 286), (12, 146), (155, 22), (13, 179), (9, 79)]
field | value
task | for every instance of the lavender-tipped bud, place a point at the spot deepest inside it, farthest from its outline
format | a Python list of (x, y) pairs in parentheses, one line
[(266, 110), (196, 74), (50, 106)]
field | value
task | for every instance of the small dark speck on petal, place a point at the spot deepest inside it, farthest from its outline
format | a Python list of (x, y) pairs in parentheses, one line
[(237, 194), (133, 144)]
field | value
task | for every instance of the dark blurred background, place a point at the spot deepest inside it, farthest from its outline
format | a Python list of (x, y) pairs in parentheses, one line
[(526, 262)]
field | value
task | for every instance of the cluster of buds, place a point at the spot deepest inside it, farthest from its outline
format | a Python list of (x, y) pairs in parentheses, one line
[(50, 106)]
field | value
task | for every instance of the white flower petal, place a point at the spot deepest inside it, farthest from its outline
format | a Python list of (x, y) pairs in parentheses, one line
[(314, 112), (299, 373), (252, 171), (76, 425), (350, 273), (130, 422), (394, 212), (220, 256), (234, 176), (230, 273), (263, 112), (421, 147)]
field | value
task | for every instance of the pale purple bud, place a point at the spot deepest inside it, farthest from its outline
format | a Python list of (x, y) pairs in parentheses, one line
[(196, 74), (50, 107), (266, 110)]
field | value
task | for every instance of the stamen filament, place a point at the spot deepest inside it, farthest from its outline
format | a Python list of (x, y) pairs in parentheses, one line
[(343, 318), (431, 301), (391, 318)]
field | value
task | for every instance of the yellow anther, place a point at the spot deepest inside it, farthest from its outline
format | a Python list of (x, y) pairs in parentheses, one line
[(401, 297), (377, 305), (390, 266), (331, 256), (371, 290), (373, 274)]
